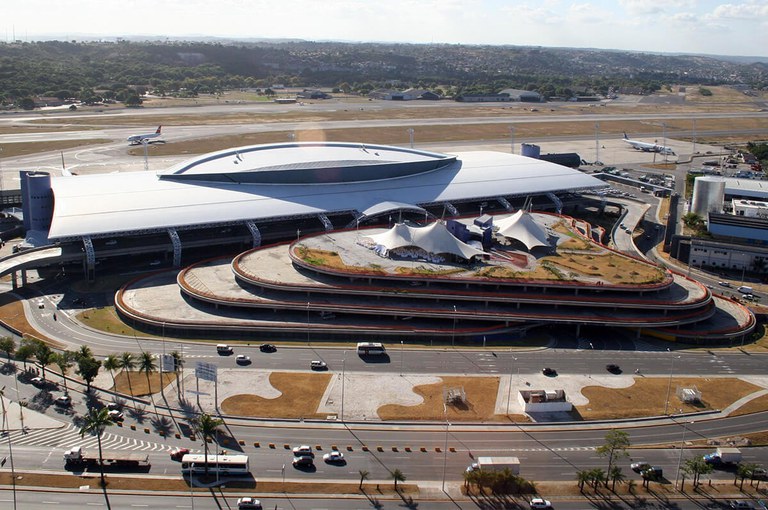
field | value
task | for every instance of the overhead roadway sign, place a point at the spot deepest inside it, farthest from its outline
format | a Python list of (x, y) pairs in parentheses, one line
[(206, 371), (167, 363)]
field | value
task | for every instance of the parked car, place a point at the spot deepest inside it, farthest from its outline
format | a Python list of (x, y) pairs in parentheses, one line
[(116, 415), (242, 359), (38, 381), (613, 368), (334, 457), (249, 503), (637, 467), (113, 406), (267, 348), (549, 372), (63, 401), (741, 504), (179, 454)]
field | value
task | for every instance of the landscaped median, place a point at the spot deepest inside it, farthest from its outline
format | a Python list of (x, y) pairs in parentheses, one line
[(179, 484)]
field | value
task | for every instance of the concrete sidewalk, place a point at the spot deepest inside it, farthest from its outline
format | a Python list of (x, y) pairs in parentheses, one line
[(17, 417)]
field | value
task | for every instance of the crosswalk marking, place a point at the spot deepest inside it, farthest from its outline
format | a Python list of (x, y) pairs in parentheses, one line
[(69, 437)]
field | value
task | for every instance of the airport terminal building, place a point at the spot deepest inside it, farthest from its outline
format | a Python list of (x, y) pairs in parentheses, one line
[(249, 198)]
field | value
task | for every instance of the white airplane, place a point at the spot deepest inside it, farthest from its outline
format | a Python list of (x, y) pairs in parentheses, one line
[(649, 147), (138, 139)]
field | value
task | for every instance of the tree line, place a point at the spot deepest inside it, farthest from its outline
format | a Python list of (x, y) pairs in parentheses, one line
[(123, 71)]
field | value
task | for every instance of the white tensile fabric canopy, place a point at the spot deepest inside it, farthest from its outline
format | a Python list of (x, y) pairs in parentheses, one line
[(434, 238), (523, 227)]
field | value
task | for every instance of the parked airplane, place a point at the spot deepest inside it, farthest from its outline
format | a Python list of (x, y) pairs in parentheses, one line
[(649, 147), (138, 139)]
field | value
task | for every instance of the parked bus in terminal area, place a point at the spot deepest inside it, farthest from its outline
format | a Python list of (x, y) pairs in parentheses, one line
[(370, 349), (221, 464)]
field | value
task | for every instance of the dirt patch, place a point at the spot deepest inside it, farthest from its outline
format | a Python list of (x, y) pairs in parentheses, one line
[(138, 382), (647, 397), (481, 393), (300, 398)]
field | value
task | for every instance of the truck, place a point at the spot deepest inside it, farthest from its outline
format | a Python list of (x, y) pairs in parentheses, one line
[(723, 456), (78, 456), (496, 464)]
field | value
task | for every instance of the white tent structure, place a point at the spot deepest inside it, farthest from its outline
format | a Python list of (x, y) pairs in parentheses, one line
[(523, 227), (434, 238)]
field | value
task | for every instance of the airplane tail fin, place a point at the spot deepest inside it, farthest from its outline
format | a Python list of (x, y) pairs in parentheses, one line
[(625, 136), (158, 129)]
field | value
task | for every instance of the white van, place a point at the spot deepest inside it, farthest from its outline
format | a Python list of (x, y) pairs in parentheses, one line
[(224, 349), (745, 289)]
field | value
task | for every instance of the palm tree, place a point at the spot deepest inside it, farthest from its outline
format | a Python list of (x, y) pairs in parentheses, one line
[(583, 477), (744, 471), (94, 423), (147, 365), (84, 352), (44, 354), (128, 363), (397, 476), (111, 363), (696, 467), (207, 426), (178, 367), (363, 477), (7, 345), (616, 475), (597, 475), (63, 360)]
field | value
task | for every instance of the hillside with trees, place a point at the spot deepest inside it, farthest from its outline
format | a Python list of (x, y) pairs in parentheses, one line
[(123, 70)]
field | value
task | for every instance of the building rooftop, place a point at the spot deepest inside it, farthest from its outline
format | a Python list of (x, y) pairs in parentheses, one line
[(280, 181)]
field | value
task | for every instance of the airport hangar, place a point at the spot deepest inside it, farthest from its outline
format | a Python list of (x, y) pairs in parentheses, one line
[(249, 196)]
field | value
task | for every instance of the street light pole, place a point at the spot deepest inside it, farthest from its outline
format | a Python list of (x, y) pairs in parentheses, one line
[(10, 448), (453, 334), (445, 446), (509, 392), (669, 385), (343, 362), (680, 457), (401, 358)]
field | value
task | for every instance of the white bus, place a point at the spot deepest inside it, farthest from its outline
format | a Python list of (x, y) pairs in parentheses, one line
[(221, 464), (370, 349)]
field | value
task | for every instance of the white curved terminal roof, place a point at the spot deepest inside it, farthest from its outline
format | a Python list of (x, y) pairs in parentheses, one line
[(99, 205)]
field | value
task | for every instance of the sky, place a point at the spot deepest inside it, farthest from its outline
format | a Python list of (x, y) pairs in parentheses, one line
[(670, 26)]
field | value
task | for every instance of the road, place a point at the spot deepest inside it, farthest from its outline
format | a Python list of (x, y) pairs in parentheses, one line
[(95, 499)]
